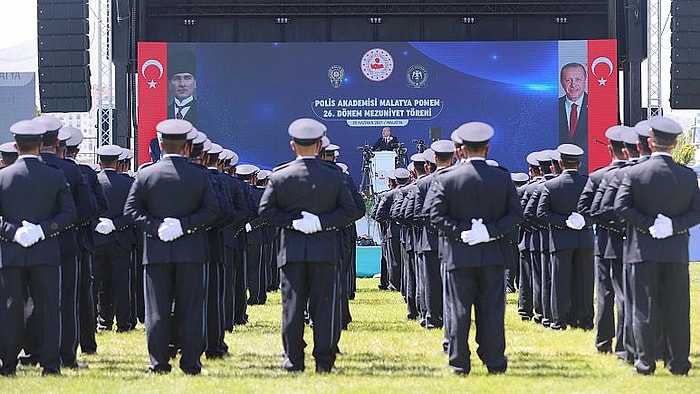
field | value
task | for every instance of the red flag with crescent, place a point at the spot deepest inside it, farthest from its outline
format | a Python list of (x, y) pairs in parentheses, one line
[(602, 100), (152, 89)]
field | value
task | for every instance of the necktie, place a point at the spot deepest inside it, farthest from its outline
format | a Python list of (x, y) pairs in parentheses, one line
[(179, 109), (573, 120)]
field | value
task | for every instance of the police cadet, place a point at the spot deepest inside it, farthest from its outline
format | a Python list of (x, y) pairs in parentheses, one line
[(255, 238), (427, 246), (86, 302), (234, 263), (606, 211), (87, 209), (8, 154), (36, 205), (513, 273), (173, 202), (570, 243), (392, 232), (308, 199), (396, 233), (114, 238), (657, 247), (605, 292), (269, 263), (623, 145), (475, 205), (385, 270), (530, 291), (216, 347), (408, 277), (540, 238)]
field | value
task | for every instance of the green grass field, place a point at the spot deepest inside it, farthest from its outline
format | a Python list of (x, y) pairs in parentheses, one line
[(382, 353)]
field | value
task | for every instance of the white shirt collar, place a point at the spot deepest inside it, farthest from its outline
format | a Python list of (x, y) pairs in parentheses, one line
[(474, 159), (22, 157), (171, 155), (184, 102), (661, 154)]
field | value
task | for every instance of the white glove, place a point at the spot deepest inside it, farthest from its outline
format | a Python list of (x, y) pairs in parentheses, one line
[(662, 228), (477, 234), (575, 221), (105, 226), (170, 230), (315, 222), (303, 225), (28, 234), (248, 228)]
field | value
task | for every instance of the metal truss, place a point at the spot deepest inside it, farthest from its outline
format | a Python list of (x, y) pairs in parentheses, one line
[(350, 9), (654, 58), (105, 74)]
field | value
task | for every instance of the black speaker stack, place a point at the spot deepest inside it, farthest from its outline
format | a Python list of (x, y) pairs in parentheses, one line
[(64, 59), (685, 54)]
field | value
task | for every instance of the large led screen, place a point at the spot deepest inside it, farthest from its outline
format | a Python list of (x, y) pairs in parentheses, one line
[(535, 94)]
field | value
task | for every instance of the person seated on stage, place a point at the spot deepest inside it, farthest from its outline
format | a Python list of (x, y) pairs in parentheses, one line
[(386, 142)]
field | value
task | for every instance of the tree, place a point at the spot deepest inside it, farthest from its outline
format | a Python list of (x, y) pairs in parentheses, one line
[(684, 152)]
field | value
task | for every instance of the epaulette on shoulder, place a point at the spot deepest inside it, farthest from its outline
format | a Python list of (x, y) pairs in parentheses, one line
[(144, 165), (281, 166)]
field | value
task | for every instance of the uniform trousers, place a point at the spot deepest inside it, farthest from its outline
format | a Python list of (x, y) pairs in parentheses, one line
[(609, 296), (240, 288), (184, 285), (431, 288), (255, 274), (546, 283), (661, 293), (70, 326), (86, 304), (482, 288), (536, 261), (313, 284), (216, 347), (112, 268), (395, 264), (43, 284), (410, 286), (572, 288), (525, 285), (228, 304)]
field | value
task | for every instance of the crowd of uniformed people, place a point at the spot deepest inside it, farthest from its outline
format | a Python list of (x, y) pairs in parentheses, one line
[(189, 241)]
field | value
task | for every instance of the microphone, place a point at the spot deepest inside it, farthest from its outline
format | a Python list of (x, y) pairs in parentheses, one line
[(600, 142)]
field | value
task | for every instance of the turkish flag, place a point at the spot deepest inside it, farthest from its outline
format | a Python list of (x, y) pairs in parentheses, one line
[(602, 99), (152, 90)]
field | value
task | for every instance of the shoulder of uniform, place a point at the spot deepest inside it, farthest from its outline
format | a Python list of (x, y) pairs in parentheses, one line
[(327, 164), (281, 166)]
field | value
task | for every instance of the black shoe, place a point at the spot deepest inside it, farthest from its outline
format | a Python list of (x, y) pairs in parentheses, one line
[(100, 327), (586, 326), (192, 372), (558, 327), (289, 367), (537, 319), (322, 370), (252, 301), (10, 373), (75, 365), (497, 371), (28, 360), (124, 329), (383, 287), (51, 372), (525, 318), (217, 355), (160, 369), (461, 372)]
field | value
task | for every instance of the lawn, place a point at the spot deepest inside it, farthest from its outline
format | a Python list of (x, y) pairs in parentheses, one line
[(382, 352)]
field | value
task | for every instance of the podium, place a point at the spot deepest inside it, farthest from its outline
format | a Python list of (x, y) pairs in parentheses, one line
[(382, 162)]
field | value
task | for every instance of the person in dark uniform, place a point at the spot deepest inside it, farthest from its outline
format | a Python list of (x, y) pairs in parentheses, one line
[(622, 145), (392, 232), (36, 205), (87, 209), (428, 240), (475, 205), (513, 273), (529, 293), (606, 210), (570, 243), (410, 274), (114, 238), (86, 302), (255, 237), (657, 247), (175, 247), (605, 291), (386, 141), (386, 261), (309, 201), (8, 154)]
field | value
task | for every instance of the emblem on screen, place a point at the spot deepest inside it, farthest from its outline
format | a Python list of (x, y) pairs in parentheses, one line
[(152, 62), (606, 61), (377, 64), (336, 75), (417, 76)]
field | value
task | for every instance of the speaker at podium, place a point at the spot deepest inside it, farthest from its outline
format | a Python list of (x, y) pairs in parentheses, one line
[(382, 162)]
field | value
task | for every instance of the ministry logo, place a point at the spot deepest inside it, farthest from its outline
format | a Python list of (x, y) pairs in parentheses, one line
[(417, 76), (377, 64)]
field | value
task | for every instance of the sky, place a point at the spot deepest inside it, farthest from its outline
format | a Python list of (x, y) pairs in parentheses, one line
[(17, 22)]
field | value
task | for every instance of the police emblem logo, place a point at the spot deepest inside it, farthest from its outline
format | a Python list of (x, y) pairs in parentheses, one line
[(336, 75), (417, 76), (377, 64)]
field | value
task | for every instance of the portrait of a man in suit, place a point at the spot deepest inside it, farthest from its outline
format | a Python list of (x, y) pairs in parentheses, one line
[(182, 88), (573, 107)]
